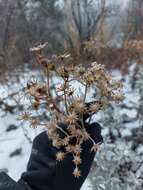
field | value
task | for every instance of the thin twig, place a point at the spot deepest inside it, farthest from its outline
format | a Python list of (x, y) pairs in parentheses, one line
[(65, 99), (63, 131), (85, 93)]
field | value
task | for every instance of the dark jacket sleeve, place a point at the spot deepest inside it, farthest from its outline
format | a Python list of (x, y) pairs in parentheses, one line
[(7, 183)]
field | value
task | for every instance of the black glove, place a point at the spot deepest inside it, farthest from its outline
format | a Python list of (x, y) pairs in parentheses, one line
[(63, 178), (45, 173)]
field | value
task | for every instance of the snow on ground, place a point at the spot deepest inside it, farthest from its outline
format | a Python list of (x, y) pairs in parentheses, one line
[(15, 139), (11, 141)]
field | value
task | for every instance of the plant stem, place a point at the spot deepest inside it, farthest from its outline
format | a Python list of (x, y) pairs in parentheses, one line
[(63, 131), (50, 95), (85, 93)]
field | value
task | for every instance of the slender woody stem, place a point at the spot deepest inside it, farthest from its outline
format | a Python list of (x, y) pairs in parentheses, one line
[(65, 99), (63, 131), (85, 93), (50, 95)]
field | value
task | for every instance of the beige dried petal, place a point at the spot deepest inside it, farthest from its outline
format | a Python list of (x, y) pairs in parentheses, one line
[(72, 129), (78, 105), (77, 149), (80, 70), (72, 118), (77, 172), (63, 72), (95, 147), (35, 105), (70, 148), (51, 132), (95, 108), (32, 91), (51, 125), (62, 118), (97, 67), (118, 98), (116, 84), (56, 143), (34, 123), (65, 141), (60, 156), (85, 135), (24, 116), (94, 64), (89, 78), (63, 87), (77, 160), (79, 133)]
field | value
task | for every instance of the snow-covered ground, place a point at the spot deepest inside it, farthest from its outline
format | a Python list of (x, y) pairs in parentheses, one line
[(14, 140), (15, 147)]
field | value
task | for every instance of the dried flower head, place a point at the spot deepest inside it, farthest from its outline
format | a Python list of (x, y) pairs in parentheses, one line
[(63, 103), (89, 78), (72, 118), (78, 105), (94, 108), (118, 98), (97, 66), (70, 148), (51, 126), (77, 149), (116, 84), (35, 105), (56, 142), (65, 141), (52, 133), (95, 147), (77, 172), (60, 156), (24, 116), (85, 135), (34, 123), (77, 160), (72, 129), (80, 70)]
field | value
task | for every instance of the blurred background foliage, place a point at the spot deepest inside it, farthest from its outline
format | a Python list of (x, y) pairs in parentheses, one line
[(99, 30)]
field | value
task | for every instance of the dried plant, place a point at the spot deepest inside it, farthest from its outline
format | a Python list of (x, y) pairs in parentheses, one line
[(65, 106)]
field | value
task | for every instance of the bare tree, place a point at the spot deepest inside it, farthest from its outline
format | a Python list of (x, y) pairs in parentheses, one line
[(82, 21), (15, 35)]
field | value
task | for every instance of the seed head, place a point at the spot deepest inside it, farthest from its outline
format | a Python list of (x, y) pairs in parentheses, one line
[(77, 172), (77, 160), (95, 147), (60, 156), (72, 118)]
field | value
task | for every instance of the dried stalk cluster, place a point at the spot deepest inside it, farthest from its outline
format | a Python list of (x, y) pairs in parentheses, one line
[(67, 107)]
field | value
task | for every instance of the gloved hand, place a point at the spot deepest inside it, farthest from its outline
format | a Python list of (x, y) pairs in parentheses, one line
[(63, 178), (45, 173)]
